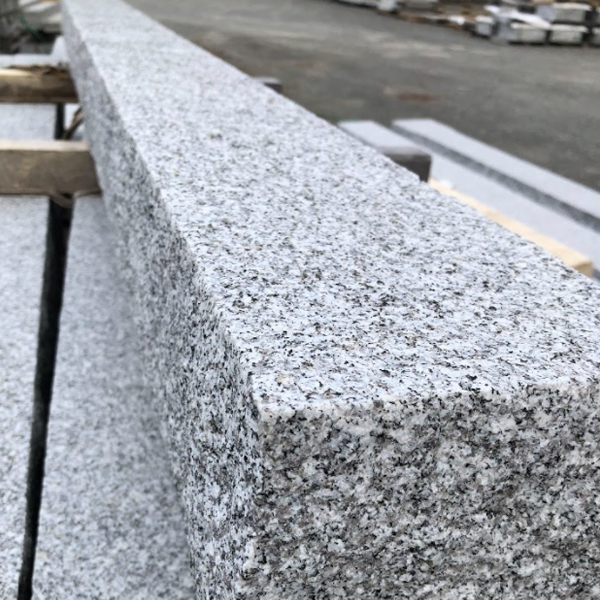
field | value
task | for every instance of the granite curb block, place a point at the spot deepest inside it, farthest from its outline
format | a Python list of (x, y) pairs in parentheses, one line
[(363, 396), (507, 201), (398, 149), (22, 246), (22, 243), (578, 202), (111, 524)]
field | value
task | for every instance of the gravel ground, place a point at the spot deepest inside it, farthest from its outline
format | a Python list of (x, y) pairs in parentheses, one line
[(343, 62)]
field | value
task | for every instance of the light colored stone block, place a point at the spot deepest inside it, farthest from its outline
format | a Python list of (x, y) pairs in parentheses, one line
[(578, 202), (567, 35), (513, 204), (22, 246), (564, 12), (521, 33), (22, 242), (363, 397), (111, 524), (389, 143), (387, 6), (484, 26)]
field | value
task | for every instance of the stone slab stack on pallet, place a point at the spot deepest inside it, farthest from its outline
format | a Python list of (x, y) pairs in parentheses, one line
[(575, 13), (359, 402), (512, 21), (559, 23)]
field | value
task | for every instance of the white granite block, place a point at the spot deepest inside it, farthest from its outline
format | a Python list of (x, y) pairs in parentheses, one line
[(514, 204), (578, 202), (111, 524), (390, 144), (387, 6), (567, 35), (521, 33), (564, 12), (22, 245), (484, 25), (364, 396)]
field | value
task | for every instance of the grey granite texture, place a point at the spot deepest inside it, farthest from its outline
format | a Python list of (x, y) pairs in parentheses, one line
[(22, 236), (368, 391), (111, 524), (22, 245)]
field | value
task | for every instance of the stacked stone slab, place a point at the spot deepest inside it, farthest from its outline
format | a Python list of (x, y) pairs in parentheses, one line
[(22, 244), (402, 152), (578, 202), (363, 396), (111, 524), (549, 203)]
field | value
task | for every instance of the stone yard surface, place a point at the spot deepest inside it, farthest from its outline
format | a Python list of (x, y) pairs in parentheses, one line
[(343, 62), (362, 397)]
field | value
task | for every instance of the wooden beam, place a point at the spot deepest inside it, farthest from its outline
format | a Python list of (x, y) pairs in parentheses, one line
[(45, 168), (569, 257), (42, 84)]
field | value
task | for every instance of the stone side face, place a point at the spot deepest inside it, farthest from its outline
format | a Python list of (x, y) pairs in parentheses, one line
[(111, 523), (22, 246), (368, 390)]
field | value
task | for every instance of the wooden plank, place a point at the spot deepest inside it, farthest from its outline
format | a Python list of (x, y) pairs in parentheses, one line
[(40, 84), (46, 167), (570, 257)]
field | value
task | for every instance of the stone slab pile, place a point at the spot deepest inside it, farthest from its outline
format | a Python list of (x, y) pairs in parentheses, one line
[(577, 201), (558, 23), (361, 397)]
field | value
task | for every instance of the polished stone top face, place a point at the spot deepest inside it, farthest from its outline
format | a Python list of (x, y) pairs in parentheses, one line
[(365, 385), (111, 523)]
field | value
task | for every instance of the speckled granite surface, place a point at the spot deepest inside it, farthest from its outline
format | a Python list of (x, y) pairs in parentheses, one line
[(22, 237), (111, 525), (369, 392), (22, 245)]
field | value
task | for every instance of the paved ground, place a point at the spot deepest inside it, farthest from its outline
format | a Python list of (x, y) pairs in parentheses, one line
[(540, 103)]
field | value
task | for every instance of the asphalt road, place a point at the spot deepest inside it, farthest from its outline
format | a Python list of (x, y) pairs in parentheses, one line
[(539, 103)]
